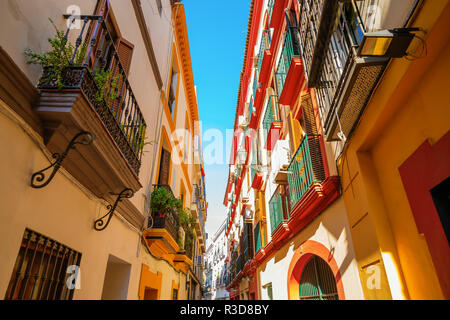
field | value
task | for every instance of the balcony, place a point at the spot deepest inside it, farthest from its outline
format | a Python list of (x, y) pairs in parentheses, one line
[(166, 239), (343, 81), (279, 212), (271, 123), (289, 58), (256, 176), (305, 169), (264, 45), (74, 101), (198, 209)]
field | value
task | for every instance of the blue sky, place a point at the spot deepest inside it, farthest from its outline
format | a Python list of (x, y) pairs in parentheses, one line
[(217, 31)]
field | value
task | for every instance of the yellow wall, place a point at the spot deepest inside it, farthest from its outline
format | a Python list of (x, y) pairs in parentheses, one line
[(409, 107), (65, 210)]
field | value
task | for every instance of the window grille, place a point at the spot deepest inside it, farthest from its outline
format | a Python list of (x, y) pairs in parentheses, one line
[(41, 270), (317, 281)]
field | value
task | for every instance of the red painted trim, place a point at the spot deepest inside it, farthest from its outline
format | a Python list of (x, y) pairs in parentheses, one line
[(295, 79), (257, 181), (281, 233), (313, 202), (273, 48), (273, 135), (265, 67), (427, 167), (247, 147), (277, 13), (299, 260), (243, 208)]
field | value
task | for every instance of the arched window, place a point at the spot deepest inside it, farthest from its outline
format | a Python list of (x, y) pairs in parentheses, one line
[(317, 281)]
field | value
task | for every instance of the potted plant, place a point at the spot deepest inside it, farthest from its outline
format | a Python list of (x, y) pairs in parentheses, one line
[(61, 56), (186, 221), (163, 201)]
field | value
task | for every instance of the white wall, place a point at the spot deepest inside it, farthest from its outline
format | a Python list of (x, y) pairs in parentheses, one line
[(330, 229)]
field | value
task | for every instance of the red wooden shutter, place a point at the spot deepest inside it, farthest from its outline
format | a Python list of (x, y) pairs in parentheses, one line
[(125, 51), (164, 168)]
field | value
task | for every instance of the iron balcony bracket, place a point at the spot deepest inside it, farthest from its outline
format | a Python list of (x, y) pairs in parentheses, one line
[(38, 177), (100, 224)]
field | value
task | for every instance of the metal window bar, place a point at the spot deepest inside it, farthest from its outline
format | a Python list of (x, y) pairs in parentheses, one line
[(338, 57), (310, 15), (317, 281), (114, 101), (40, 271), (290, 49), (346, 35)]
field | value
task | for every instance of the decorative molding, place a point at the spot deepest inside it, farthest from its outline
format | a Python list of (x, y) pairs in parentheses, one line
[(17, 91), (182, 42)]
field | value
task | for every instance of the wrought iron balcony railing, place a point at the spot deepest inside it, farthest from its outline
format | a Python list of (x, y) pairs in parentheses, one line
[(330, 34), (94, 57), (290, 49), (271, 115), (306, 168), (278, 210), (337, 58)]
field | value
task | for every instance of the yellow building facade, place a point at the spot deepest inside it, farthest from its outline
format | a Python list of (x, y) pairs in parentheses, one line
[(408, 111), (83, 149)]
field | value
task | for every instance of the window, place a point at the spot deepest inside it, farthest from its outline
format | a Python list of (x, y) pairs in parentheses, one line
[(269, 291), (441, 199), (174, 294), (173, 91), (111, 52), (182, 198), (159, 4), (150, 294), (317, 281), (43, 270), (164, 167), (186, 141)]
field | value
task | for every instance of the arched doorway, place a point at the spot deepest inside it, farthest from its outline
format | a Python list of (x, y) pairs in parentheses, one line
[(317, 281)]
